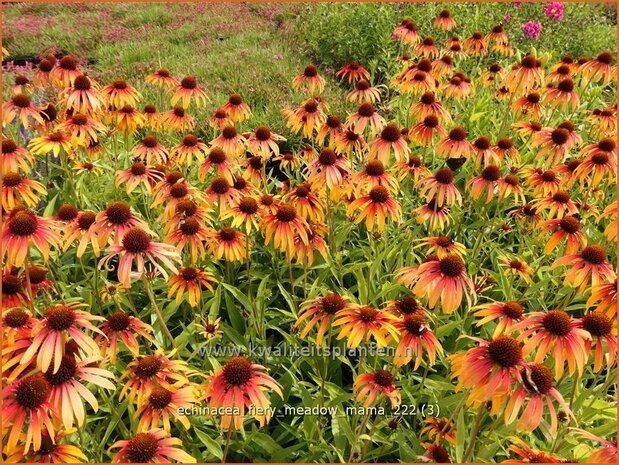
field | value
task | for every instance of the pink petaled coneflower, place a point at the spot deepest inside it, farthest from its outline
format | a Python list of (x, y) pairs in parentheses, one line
[(154, 446), (137, 244), (368, 386), (440, 187)]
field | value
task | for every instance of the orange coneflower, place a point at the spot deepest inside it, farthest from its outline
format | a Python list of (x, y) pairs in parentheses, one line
[(148, 371), (42, 75), (281, 227), (64, 72), (527, 128), (309, 80), (50, 451), (136, 243), (306, 202), (436, 215), (604, 122), (559, 204), (556, 331), (113, 222), (558, 73), (82, 129), (230, 141), (190, 148), (535, 383), (455, 144), (236, 110), (150, 150), (497, 35), (361, 323), (193, 280), (444, 279), (162, 78), (375, 207), (178, 120), (154, 446), (17, 190), (138, 173), (84, 229), (438, 429), (163, 403), (606, 454), (20, 108), (363, 92), (599, 69), (27, 401), (353, 72), (529, 455), (429, 106), (442, 246), (263, 142), (417, 83), (222, 163), (375, 174), (554, 145), (23, 228), (245, 212), (124, 326), (517, 267), (327, 170), (544, 182), (562, 96), (507, 314), (365, 117), (350, 143), (566, 227), (476, 44), (120, 93), (426, 48), (315, 241), (15, 158), (412, 167), (368, 386), (192, 232), (13, 295), (458, 87), (492, 75), (333, 128), (129, 120), (525, 75), (83, 96), (186, 91), (588, 268), (152, 118), (485, 152), (435, 453), (601, 160), (416, 339), (228, 243), (510, 185), (48, 335), (237, 386), (444, 21), (602, 329), (488, 370), (440, 187), (389, 140), (39, 280), (486, 181), (323, 310), (210, 329), (530, 104), (222, 191), (442, 67), (67, 390), (406, 32)]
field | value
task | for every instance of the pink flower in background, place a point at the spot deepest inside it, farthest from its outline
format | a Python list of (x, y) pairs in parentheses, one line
[(507, 18), (554, 10), (517, 4), (532, 29)]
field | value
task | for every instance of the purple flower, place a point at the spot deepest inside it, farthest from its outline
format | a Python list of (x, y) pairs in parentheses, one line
[(517, 4), (532, 29), (554, 10), (507, 18)]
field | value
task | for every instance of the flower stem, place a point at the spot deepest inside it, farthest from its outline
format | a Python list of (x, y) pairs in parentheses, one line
[(151, 297)]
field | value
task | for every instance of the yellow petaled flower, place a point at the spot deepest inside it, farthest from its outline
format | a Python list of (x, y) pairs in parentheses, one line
[(192, 280)]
